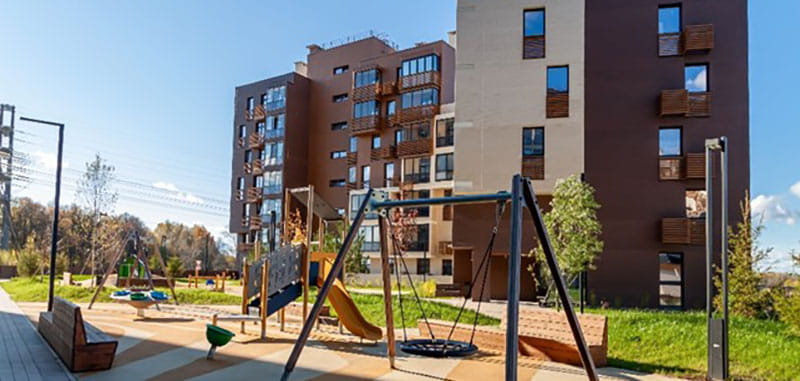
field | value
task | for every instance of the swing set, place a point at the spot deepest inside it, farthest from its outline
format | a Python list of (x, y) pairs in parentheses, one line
[(521, 195)]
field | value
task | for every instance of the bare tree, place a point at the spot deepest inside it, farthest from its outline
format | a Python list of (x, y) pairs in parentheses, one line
[(95, 191)]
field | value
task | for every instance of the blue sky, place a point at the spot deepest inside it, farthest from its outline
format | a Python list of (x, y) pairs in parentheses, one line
[(149, 85)]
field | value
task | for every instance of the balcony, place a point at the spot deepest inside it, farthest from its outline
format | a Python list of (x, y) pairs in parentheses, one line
[(533, 167), (253, 195), (255, 114), (367, 92), (445, 141), (428, 78), (244, 247), (255, 168), (274, 134), (352, 158), (273, 189), (691, 166), (445, 248), (415, 178), (393, 181), (383, 153), (419, 147), (389, 88), (413, 114), (557, 104), (352, 186), (256, 141), (695, 165), (533, 47), (240, 142), (693, 38), (680, 102), (365, 125), (254, 222), (683, 231), (275, 106)]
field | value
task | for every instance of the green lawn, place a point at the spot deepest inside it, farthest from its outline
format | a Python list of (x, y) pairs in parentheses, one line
[(674, 343)]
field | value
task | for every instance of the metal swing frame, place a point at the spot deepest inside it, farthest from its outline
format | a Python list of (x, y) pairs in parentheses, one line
[(521, 195)]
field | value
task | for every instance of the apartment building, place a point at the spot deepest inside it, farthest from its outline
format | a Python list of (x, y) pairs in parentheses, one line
[(620, 92), (358, 114)]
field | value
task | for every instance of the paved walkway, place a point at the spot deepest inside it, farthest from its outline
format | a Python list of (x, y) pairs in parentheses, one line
[(24, 355)]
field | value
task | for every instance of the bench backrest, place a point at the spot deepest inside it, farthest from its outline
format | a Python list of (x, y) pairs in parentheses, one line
[(552, 324), (67, 318)]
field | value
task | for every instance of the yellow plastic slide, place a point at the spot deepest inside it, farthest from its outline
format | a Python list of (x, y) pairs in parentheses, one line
[(348, 313)]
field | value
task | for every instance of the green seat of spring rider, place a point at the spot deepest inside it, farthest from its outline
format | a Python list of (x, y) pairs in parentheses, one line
[(217, 337)]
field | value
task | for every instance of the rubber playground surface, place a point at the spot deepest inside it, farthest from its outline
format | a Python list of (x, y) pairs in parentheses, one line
[(171, 345)]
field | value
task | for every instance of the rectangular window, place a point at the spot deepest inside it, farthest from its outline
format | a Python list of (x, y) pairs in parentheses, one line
[(388, 173), (418, 98), (250, 104), (533, 141), (376, 141), (258, 181), (398, 136), (340, 69), (276, 98), (371, 238), (696, 78), (368, 108), (337, 183), (338, 154), (444, 132), (533, 29), (351, 175), (248, 156), (261, 127), (339, 126), (558, 79), (669, 19), (696, 203), (264, 99), (419, 239), (444, 167), (355, 203), (447, 267), (422, 211), (339, 98), (353, 144), (242, 131), (423, 266), (534, 23), (365, 174), (417, 170), (273, 182), (391, 108), (273, 153), (240, 183), (670, 280), (366, 78), (669, 142), (420, 65)]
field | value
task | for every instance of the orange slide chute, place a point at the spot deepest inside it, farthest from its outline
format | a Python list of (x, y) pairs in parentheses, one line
[(346, 308)]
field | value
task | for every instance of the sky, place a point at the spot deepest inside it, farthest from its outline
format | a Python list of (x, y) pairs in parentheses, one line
[(149, 85)]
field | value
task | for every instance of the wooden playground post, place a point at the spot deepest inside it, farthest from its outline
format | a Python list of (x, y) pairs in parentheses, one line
[(287, 199), (387, 290), (245, 280), (264, 296), (306, 255)]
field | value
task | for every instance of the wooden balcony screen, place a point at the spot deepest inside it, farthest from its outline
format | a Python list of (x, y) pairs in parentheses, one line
[(389, 88), (383, 153), (557, 104), (670, 168), (696, 165), (366, 92), (669, 44), (447, 213), (364, 125), (240, 142), (419, 147), (254, 194), (699, 105), (255, 223), (533, 167), (256, 141), (691, 166), (674, 102), (533, 47), (698, 37), (428, 78), (683, 231), (445, 248), (352, 158), (244, 247), (413, 114)]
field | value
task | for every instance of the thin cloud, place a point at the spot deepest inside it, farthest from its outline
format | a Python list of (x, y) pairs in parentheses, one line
[(795, 189), (771, 208), (48, 160), (185, 196)]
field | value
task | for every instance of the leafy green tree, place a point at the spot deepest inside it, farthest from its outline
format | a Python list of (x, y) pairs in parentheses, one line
[(174, 267), (745, 297), (355, 261), (95, 191), (29, 259)]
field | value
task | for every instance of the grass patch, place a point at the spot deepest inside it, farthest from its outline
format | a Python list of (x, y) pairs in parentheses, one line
[(674, 343)]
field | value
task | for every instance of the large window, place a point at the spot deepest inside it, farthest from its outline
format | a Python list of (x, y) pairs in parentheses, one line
[(417, 131), (533, 23), (355, 203), (367, 77), (696, 201), (669, 19), (276, 98), (669, 142), (273, 205), (670, 280), (444, 167), (391, 108), (422, 97), (368, 108), (533, 141), (353, 144), (696, 77), (444, 132), (422, 211), (388, 174), (273, 182), (365, 175), (376, 141), (558, 79), (419, 239), (420, 65), (273, 153), (351, 175), (417, 170), (372, 238)]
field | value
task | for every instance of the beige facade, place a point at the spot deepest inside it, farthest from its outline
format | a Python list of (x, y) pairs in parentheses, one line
[(498, 93)]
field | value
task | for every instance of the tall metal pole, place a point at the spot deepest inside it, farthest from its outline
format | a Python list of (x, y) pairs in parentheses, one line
[(709, 254), (724, 246), (514, 253), (7, 172)]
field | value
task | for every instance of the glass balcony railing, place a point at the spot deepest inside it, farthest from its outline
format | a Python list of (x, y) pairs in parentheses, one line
[(275, 105), (274, 134)]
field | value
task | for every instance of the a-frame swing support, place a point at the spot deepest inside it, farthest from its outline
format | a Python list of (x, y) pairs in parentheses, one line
[(522, 195)]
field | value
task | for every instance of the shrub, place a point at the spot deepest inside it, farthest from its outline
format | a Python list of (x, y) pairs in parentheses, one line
[(788, 309), (7, 258), (62, 263), (174, 267), (427, 289), (27, 263)]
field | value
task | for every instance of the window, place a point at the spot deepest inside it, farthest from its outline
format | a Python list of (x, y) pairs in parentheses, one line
[(273, 205), (423, 266), (337, 183), (242, 131), (351, 175), (533, 23), (355, 203), (338, 154), (670, 280), (419, 239), (264, 99), (419, 65), (388, 174), (365, 173), (669, 142), (447, 267), (558, 79), (418, 98), (391, 108), (339, 98), (368, 108), (240, 183), (376, 141), (367, 77), (250, 104), (444, 167), (339, 126), (372, 238), (696, 77), (696, 203), (340, 69), (276, 98), (669, 19), (417, 170), (248, 156), (444, 132), (273, 153), (261, 127), (422, 211), (273, 182), (353, 144), (398, 136), (258, 181), (533, 141)]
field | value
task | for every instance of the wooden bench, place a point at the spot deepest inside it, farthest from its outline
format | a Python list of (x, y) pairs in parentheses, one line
[(80, 345)]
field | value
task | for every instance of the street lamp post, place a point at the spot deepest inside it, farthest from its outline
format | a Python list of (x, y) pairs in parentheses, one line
[(54, 239)]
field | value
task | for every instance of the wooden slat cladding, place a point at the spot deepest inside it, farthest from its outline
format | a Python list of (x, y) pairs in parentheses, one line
[(695, 165), (699, 105), (244, 247), (533, 167), (389, 88), (368, 92), (419, 147), (669, 44), (533, 47), (352, 158), (256, 141), (698, 37), (383, 153), (428, 78), (254, 194), (670, 168), (557, 104), (413, 114), (445, 248), (674, 102), (240, 142), (255, 223), (447, 213), (364, 125), (683, 231)]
